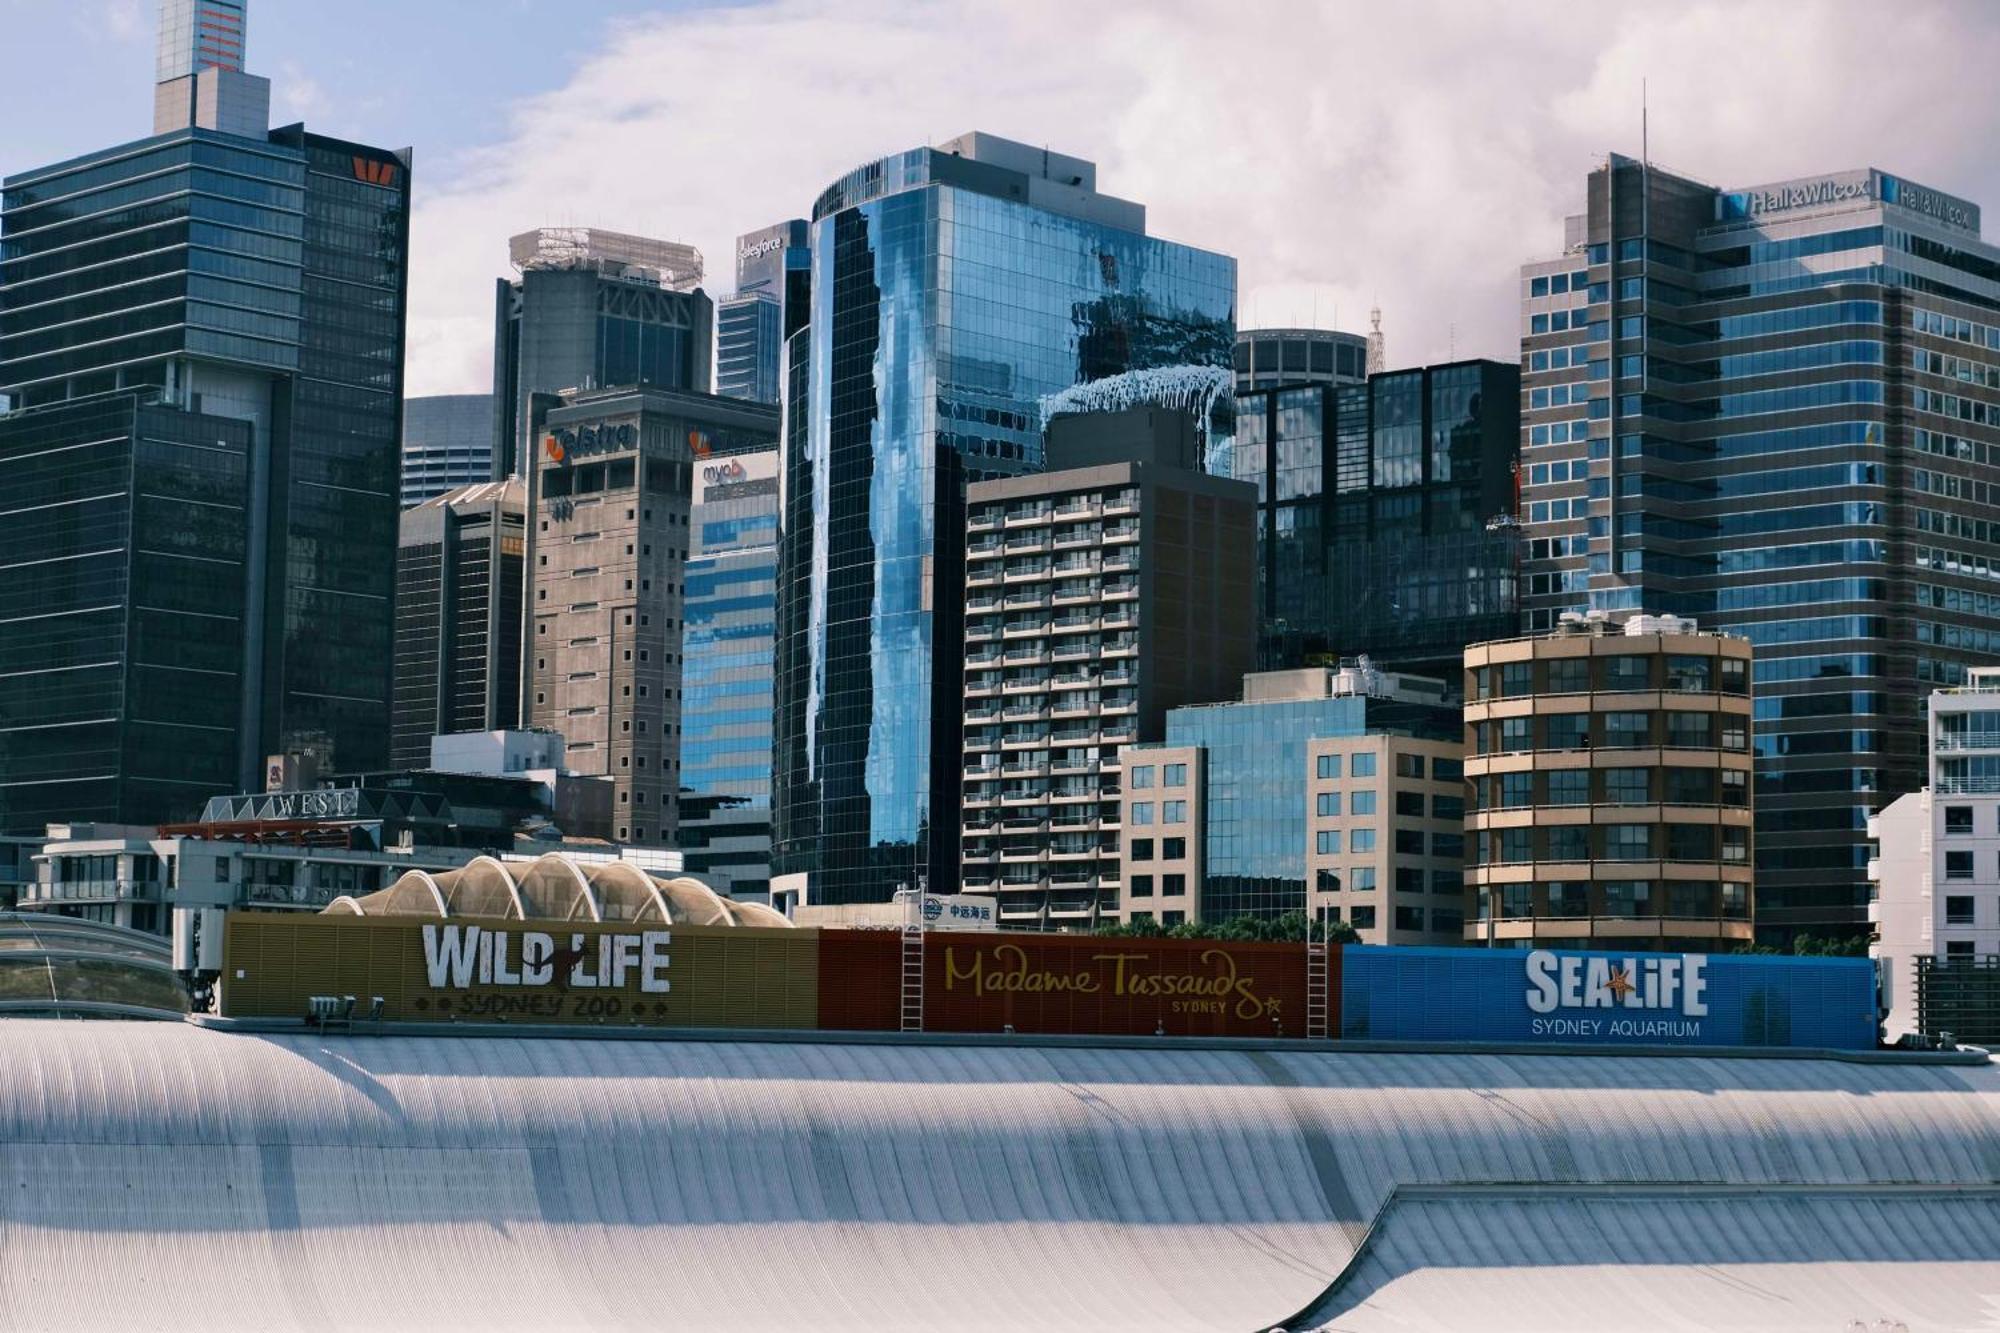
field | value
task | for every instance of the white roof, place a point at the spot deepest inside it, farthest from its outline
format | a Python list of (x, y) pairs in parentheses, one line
[(173, 1176)]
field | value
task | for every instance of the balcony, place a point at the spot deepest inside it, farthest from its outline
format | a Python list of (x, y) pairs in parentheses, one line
[(1120, 532), (1948, 742), (982, 522), (1030, 824), (1018, 632), (1018, 743), (983, 602), (980, 633), (1073, 653), (1027, 685), (1028, 519), (1019, 599), (980, 576), (1966, 786), (1027, 541), (1021, 798), (1126, 558), (1025, 575), (1065, 540)]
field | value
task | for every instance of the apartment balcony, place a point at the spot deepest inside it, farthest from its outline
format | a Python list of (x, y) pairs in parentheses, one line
[(1124, 674), (1874, 874), (1122, 617), (1119, 708), (1066, 540), (1074, 735), (1074, 653), (1037, 685), (978, 691), (1017, 855), (982, 798), (1080, 768), (1027, 541), (1123, 558), (980, 743), (1025, 598), (1946, 742), (1024, 824), (1120, 648), (1119, 735), (980, 576), (1071, 794), (1027, 520), (1016, 744), (1016, 633), (1120, 592), (1087, 597), (1028, 575), (985, 657), (980, 634), (988, 601), (982, 523), (978, 716), (1966, 787), (1021, 798), (1076, 508), (1073, 624), (1065, 709), (1072, 857), (1075, 564), (1120, 507), (1120, 532), (984, 548)]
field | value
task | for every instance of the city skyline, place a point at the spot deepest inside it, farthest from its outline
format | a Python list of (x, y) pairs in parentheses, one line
[(1482, 152)]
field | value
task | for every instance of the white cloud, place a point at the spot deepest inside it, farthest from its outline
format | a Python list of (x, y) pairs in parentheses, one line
[(300, 96), (1346, 154)]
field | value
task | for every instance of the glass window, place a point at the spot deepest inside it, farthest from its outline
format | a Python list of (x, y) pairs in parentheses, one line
[(1142, 777), (1690, 842), (1690, 731), (1627, 730), (1735, 733), (1173, 812), (1628, 672), (1327, 803), (1628, 786), (1628, 842), (1690, 674), (1363, 916), (1327, 842), (1736, 845), (1142, 886), (1958, 819), (1735, 675), (1516, 845), (1569, 675), (1736, 902), (1569, 786), (1173, 849), (1515, 791), (1958, 910), (1568, 731), (1361, 840), (1513, 733), (1409, 842), (1409, 765), (1364, 766), (1569, 842), (1447, 807), (1516, 680), (1690, 898), (1628, 897), (1569, 898), (1174, 775), (1735, 786), (1142, 812), (1448, 770), (1690, 786), (1329, 766), (1410, 803), (1409, 918), (1362, 803), (1142, 849), (1173, 884)]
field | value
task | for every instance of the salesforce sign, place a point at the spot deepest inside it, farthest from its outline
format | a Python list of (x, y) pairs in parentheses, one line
[(1574, 997)]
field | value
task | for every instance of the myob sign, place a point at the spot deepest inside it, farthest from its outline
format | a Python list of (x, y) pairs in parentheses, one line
[(461, 957), (1659, 995)]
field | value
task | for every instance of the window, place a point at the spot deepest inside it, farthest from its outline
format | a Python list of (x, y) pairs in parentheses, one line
[(1958, 819), (1173, 849), (1690, 731), (1409, 918), (1364, 766), (1629, 672), (1690, 786), (1735, 733), (1513, 733), (1628, 842), (1142, 812), (1173, 884), (1628, 897), (1569, 675), (1142, 886), (1514, 790), (1735, 675), (1569, 898), (1447, 807), (1569, 786), (1327, 803), (1142, 849), (1174, 775), (1568, 731), (1516, 845), (1409, 842), (1690, 842), (1516, 680), (1173, 812), (1142, 777), (1958, 910), (1361, 879), (1363, 916), (1409, 765), (1448, 844), (1327, 842), (1329, 766), (1569, 842), (1626, 730), (1690, 898), (1735, 786), (1410, 803), (1958, 865), (1447, 920), (1736, 845), (1361, 803), (1362, 840), (1628, 786), (1447, 770), (1958, 949), (1736, 902)]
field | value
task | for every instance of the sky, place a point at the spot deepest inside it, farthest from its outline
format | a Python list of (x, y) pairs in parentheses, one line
[(1349, 155)]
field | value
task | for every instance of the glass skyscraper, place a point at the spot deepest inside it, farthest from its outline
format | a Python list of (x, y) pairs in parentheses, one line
[(447, 443), (1777, 410), (952, 288), (773, 298), (258, 276), (727, 647)]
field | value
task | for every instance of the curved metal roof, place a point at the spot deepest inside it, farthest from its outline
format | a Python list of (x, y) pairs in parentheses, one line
[(558, 887), (69, 967), (181, 1176)]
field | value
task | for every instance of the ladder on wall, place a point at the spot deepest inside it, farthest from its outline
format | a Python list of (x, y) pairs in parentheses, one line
[(1317, 1006), (913, 968)]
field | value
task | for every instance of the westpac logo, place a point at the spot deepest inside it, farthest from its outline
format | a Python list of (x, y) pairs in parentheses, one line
[(1674, 984), (374, 172)]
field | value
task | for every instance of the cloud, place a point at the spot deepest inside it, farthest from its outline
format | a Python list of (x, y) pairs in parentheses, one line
[(1411, 155), (299, 95)]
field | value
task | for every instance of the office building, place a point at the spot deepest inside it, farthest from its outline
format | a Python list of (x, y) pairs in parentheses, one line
[(592, 309), (772, 301), (987, 274), (1385, 830), (1386, 524), (1934, 895), (1215, 818), (447, 443), (1098, 595), (726, 673), (1268, 358), (1772, 409), (1609, 793), (460, 566), (224, 271), (609, 549)]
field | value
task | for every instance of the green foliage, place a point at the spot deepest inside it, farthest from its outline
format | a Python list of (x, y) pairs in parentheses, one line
[(1291, 927), (1816, 946)]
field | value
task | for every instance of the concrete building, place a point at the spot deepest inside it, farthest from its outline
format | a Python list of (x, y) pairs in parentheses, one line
[(1222, 818), (727, 673), (1098, 595), (460, 578), (1386, 836), (207, 327), (610, 543), (772, 302), (1610, 792), (1267, 358), (1774, 409), (989, 274), (447, 443), (1935, 876)]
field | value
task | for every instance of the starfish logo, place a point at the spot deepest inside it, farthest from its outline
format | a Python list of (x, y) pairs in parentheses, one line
[(1620, 984)]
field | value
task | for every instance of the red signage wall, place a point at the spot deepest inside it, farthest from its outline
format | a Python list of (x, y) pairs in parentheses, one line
[(1071, 984)]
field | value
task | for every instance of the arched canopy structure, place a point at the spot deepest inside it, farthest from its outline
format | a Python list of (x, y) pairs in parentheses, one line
[(558, 887)]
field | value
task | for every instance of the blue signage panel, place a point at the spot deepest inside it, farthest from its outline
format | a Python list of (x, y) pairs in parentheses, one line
[(1606, 999)]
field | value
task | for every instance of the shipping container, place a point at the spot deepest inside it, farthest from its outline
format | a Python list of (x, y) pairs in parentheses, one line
[(1552, 997)]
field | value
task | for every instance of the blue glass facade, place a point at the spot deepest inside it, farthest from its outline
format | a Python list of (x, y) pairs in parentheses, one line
[(1773, 410), (728, 648), (943, 307)]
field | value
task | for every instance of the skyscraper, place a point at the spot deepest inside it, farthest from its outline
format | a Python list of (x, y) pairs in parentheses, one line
[(1777, 410), (1267, 358), (773, 297), (953, 287), (447, 443), (224, 270), (458, 616)]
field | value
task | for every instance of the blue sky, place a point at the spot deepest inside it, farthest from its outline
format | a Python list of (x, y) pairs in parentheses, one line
[(1348, 153)]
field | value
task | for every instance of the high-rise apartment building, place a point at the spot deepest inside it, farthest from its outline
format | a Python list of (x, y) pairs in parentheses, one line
[(1777, 409), (1935, 874), (1385, 524), (772, 301), (1222, 818), (609, 545), (1098, 595), (1610, 788), (459, 583), (224, 270), (953, 287), (447, 443), (726, 673), (592, 309), (1385, 830), (1267, 358)]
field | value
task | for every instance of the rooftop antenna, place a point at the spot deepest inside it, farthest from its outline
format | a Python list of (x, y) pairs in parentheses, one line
[(1376, 358)]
